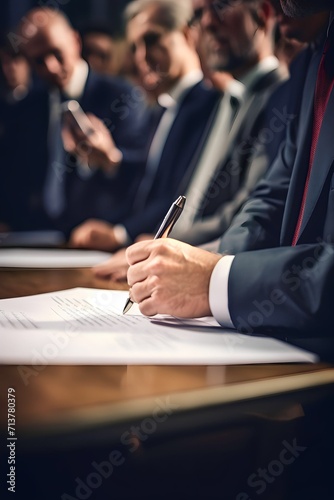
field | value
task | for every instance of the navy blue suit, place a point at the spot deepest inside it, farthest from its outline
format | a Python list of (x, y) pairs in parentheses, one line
[(23, 159), (279, 289), (180, 153), (122, 109)]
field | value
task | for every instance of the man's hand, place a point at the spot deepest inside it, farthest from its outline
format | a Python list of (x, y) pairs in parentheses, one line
[(96, 149), (170, 277), (95, 234), (117, 266), (114, 269)]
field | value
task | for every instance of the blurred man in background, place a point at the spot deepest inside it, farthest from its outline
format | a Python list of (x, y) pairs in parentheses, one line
[(92, 166), (239, 38), (15, 74), (278, 278), (164, 51)]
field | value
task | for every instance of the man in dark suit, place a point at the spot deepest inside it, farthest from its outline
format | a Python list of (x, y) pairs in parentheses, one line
[(88, 179), (278, 278), (245, 49), (164, 48), (239, 39)]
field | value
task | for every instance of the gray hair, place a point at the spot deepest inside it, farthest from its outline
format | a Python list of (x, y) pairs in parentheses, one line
[(170, 14)]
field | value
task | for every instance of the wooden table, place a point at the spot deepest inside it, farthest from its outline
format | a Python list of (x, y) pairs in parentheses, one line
[(237, 415)]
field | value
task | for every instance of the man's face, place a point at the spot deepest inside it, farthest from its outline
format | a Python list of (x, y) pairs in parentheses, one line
[(98, 50), (15, 69), (53, 52), (229, 30), (299, 8), (158, 53)]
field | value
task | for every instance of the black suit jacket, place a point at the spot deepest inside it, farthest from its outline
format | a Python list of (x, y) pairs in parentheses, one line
[(279, 289)]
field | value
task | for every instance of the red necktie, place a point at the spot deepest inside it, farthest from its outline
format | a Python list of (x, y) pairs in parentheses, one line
[(324, 87)]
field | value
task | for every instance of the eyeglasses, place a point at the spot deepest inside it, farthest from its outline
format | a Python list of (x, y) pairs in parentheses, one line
[(149, 39), (219, 7)]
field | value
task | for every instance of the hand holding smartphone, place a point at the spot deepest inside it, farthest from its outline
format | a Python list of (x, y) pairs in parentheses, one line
[(76, 119), (89, 139)]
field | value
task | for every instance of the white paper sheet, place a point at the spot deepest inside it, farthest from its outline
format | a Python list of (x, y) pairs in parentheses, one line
[(86, 326), (50, 258)]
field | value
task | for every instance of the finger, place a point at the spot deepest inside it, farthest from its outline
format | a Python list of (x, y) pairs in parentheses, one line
[(79, 238), (101, 276), (148, 307), (95, 121), (141, 291), (97, 124), (103, 270), (137, 273), (119, 276), (68, 139), (138, 252)]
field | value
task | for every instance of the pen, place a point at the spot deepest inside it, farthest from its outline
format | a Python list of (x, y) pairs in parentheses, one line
[(166, 226)]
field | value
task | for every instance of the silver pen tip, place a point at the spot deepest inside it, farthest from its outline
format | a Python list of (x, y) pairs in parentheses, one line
[(127, 306)]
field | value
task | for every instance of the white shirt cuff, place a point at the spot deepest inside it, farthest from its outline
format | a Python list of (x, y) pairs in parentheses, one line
[(218, 291), (121, 235)]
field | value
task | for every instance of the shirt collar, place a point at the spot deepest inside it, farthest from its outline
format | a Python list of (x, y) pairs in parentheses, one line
[(262, 68), (76, 86), (176, 94)]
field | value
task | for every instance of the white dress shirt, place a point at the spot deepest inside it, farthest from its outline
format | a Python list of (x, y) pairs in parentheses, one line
[(54, 192)]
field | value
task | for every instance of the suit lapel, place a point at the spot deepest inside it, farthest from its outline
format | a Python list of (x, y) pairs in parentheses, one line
[(324, 157), (301, 163)]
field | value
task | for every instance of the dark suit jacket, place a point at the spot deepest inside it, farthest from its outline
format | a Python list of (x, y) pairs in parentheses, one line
[(238, 173), (23, 153), (279, 289), (122, 109), (179, 154)]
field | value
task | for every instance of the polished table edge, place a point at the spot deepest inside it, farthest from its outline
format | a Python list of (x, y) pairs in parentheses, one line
[(184, 401)]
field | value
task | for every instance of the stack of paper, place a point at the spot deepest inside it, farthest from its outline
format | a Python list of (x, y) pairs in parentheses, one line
[(86, 326)]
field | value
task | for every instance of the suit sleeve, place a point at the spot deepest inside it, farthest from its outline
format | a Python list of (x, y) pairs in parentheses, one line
[(215, 225), (258, 223), (286, 291)]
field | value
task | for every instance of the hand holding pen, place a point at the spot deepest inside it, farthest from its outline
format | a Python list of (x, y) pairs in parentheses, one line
[(167, 225)]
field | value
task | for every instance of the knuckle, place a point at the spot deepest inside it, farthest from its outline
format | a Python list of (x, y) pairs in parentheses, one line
[(153, 283), (130, 277), (157, 265), (147, 308), (129, 255)]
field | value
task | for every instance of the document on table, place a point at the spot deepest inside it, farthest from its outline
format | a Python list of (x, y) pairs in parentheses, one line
[(47, 258), (86, 326)]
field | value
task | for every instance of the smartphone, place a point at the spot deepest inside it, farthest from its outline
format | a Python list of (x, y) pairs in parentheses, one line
[(76, 118)]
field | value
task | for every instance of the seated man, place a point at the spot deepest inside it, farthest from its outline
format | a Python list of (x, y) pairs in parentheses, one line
[(229, 165), (248, 55), (278, 278), (164, 49), (91, 179)]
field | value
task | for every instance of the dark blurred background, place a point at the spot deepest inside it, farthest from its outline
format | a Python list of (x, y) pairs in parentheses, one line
[(79, 11)]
